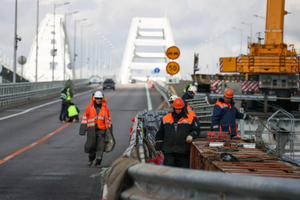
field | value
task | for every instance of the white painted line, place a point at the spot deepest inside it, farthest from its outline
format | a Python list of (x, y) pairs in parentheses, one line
[(148, 98), (46, 104)]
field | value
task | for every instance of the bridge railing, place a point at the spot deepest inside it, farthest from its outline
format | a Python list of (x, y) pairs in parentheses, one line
[(22, 92), (163, 90), (161, 182)]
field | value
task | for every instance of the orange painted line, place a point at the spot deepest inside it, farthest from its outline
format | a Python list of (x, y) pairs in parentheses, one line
[(113, 94), (19, 151), (32, 144)]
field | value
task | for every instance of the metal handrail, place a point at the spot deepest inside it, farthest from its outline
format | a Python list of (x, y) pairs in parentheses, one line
[(161, 182), (164, 92), (292, 126), (22, 92)]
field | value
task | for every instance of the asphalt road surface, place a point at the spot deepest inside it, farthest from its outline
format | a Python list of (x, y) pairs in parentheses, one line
[(41, 158)]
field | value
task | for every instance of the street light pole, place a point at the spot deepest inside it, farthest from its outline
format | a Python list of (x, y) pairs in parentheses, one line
[(260, 17), (15, 41), (53, 41), (241, 45), (37, 41), (249, 24), (66, 14), (81, 44), (74, 62)]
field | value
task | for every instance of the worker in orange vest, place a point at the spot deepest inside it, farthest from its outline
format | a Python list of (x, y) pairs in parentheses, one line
[(225, 114), (96, 121), (175, 134)]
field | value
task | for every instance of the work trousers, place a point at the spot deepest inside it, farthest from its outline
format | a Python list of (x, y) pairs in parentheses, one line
[(63, 111), (100, 144), (70, 119), (177, 160)]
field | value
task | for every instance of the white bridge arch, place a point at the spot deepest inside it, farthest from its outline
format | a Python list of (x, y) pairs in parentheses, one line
[(147, 42)]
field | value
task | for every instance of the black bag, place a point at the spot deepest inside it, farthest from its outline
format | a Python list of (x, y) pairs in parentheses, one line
[(63, 94)]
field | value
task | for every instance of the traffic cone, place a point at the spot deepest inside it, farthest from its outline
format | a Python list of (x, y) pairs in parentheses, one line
[(152, 85)]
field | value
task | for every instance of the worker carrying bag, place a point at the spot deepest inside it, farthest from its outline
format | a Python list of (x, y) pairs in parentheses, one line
[(63, 94)]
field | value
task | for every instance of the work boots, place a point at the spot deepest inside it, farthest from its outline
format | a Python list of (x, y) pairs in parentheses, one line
[(98, 163), (91, 159)]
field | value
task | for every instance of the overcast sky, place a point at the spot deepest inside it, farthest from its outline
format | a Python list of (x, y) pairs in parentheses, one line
[(201, 26)]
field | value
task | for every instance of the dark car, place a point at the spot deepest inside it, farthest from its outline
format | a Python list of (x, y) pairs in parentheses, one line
[(132, 80), (109, 84)]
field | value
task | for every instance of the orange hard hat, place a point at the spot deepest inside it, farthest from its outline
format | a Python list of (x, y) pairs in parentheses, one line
[(178, 103), (228, 93)]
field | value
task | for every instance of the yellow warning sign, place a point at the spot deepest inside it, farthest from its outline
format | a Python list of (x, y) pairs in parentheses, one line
[(172, 68)]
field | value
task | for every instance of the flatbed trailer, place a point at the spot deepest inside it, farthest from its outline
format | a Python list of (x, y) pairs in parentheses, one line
[(239, 157)]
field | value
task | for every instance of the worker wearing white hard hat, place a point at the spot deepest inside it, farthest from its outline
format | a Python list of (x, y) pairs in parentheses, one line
[(190, 93), (97, 123)]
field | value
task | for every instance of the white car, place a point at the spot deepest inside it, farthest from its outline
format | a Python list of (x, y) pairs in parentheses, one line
[(95, 80)]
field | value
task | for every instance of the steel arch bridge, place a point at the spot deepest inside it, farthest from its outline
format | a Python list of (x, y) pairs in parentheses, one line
[(147, 42)]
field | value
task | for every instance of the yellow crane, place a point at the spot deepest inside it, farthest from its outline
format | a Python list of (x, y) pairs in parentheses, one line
[(274, 64)]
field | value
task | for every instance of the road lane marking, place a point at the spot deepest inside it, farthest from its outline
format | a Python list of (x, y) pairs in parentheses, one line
[(19, 151), (148, 97), (33, 144), (113, 94)]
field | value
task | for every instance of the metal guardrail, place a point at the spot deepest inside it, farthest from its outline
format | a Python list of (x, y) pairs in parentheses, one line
[(161, 182), (22, 92), (163, 91), (240, 96)]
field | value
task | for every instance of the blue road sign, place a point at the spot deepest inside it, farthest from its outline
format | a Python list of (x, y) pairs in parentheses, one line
[(156, 70)]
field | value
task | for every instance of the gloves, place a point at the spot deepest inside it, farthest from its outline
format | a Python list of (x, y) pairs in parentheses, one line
[(82, 133), (189, 139), (256, 119)]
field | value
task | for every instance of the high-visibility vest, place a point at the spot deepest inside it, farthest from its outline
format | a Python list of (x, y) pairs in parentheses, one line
[(91, 118), (68, 94), (100, 119), (72, 111)]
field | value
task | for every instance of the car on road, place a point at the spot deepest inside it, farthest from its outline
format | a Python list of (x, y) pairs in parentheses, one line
[(109, 84), (95, 80), (132, 80)]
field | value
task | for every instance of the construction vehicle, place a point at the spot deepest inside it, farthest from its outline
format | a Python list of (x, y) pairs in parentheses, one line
[(274, 65)]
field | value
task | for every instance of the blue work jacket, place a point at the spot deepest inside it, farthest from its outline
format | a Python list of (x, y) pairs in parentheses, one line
[(224, 117)]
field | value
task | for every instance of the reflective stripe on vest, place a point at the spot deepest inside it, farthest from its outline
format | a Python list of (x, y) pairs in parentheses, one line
[(223, 105), (169, 119), (84, 120), (68, 94), (101, 119)]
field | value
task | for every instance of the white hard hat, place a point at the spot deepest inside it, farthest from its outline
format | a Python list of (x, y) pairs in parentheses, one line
[(173, 97), (98, 94), (192, 89)]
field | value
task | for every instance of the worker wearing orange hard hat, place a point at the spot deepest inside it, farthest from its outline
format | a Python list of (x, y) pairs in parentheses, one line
[(175, 134), (225, 114)]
